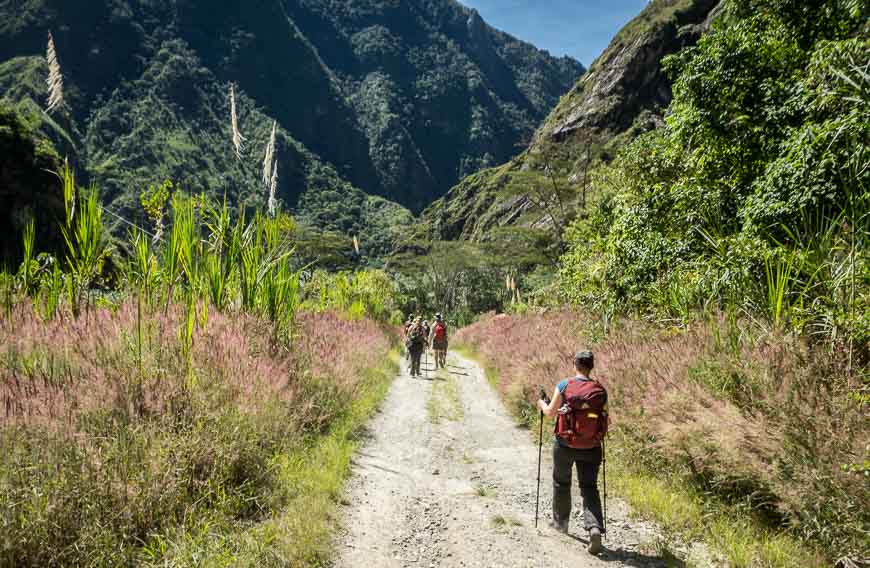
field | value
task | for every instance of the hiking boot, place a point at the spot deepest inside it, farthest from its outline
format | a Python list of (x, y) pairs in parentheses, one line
[(557, 526), (594, 541)]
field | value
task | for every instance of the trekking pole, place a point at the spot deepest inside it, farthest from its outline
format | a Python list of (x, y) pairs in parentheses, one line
[(540, 450), (604, 479)]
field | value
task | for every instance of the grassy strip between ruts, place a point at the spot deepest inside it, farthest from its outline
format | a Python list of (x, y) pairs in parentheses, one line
[(444, 402), (302, 533), (728, 532)]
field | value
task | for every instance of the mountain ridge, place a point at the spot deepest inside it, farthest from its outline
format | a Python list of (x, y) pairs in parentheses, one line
[(378, 99)]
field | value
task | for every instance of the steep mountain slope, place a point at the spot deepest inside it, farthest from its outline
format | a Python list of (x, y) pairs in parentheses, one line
[(623, 94), (389, 98)]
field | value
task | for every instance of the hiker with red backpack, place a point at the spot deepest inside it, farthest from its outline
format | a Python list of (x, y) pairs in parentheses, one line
[(579, 405), (438, 341)]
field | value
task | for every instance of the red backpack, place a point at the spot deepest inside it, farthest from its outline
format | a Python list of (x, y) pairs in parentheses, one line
[(584, 424), (440, 331)]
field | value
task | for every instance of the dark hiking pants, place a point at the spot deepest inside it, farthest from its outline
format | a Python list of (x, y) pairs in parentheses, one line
[(587, 462), (416, 355)]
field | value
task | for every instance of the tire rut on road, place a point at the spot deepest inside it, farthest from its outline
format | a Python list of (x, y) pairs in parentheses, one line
[(458, 489)]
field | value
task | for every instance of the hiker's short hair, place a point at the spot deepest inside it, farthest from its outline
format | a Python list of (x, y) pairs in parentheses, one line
[(584, 359)]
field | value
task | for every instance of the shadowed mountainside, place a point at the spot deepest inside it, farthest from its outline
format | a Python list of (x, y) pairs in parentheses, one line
[(387, 98)]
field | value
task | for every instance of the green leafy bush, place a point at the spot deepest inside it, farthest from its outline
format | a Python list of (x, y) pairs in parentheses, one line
[(755, 196)]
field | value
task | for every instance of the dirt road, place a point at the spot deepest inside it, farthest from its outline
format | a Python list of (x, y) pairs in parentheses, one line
[(447, 479)]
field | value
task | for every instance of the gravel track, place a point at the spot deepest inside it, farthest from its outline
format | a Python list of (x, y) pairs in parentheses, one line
[(437, 491)]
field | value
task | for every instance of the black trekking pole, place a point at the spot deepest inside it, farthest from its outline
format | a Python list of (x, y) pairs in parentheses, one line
[(540, 449), (604, 479)]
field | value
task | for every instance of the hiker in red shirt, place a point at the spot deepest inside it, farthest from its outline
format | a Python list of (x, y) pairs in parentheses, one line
[(438, 341), (580, 407)]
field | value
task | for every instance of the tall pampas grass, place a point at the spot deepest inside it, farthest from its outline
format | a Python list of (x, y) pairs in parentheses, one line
[(270, 169), (234, 119), (270, 155), (55, 78), (273, 190)]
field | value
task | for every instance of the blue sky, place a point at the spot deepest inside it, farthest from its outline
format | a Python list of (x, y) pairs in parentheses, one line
[(579, 28)]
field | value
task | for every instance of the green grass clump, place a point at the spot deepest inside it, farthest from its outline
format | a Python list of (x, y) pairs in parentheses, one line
[(444, 400), (730, 533), (484, 491), (502, 522)]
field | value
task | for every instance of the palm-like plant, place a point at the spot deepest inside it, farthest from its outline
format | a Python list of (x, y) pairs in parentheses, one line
[(87, 246)]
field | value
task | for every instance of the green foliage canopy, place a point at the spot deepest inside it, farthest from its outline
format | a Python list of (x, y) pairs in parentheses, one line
[(763, 163)]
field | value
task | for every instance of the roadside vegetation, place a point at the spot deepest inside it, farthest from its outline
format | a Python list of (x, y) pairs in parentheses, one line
[(720, 272), (751, 441), (181, 399)]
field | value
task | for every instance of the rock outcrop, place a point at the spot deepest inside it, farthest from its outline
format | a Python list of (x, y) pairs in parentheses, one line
[(628, 78)]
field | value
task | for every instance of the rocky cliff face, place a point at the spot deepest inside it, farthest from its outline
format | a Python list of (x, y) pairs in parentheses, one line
[(396, 99), (627, 79), (624, 93)]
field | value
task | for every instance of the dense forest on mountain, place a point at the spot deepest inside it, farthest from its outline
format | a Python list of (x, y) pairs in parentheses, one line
[(373, 99), (751, 131)]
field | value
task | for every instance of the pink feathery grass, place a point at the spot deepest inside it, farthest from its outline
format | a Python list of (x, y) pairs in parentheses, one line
[(53, 371), (749, 419)]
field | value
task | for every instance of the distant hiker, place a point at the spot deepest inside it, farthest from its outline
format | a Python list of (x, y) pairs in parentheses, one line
[(580, 407), (405, 327), (438, 340), (416, 342)]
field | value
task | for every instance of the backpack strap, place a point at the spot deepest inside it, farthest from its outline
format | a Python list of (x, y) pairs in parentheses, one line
[(562, 392)]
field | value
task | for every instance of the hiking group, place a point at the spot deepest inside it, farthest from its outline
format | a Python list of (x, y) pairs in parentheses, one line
[(420, 337), (579, 406)]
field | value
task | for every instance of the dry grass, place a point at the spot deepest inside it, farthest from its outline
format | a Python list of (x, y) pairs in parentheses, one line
[(273, 190), (759, 425), (270, 169)]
